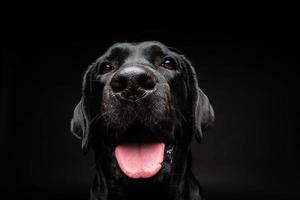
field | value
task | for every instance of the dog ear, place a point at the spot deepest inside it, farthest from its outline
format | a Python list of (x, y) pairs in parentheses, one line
[(80, 121), (79, 125), (202, 111), (203, 114)]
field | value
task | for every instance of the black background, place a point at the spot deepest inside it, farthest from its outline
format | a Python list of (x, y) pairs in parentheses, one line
[(246, 64)]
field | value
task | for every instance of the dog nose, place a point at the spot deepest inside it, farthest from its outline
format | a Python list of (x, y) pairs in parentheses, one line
[(133, 82)]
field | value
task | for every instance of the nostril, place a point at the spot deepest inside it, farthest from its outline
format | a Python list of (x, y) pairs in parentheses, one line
[(118, 84), (146, 81)]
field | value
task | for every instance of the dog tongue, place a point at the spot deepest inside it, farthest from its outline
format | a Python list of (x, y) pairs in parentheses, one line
[(140, 160)]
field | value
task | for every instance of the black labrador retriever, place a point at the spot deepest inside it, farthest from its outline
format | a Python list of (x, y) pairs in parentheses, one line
[(140, 107)]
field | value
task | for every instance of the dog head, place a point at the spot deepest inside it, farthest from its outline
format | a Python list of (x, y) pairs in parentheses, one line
[(140, 107)]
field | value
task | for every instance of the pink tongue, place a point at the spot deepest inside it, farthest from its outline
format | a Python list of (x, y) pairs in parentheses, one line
[(140, 160)]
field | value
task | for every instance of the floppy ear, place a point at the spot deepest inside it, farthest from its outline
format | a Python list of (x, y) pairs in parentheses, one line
[(202, 112), (79, 125), (80, 121)]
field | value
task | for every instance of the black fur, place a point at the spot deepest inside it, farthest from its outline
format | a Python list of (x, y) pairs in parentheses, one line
[(176, 110)]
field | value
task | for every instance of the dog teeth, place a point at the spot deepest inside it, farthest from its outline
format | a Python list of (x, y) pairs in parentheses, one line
[(169, 150)]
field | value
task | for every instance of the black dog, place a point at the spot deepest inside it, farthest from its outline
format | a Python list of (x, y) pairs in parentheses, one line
[(140, 107)]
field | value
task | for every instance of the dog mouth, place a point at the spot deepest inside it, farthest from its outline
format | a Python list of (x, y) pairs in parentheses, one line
[(142, 152), (140, 160)]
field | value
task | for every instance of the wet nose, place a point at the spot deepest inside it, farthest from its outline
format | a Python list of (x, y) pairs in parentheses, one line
[(133, 82)]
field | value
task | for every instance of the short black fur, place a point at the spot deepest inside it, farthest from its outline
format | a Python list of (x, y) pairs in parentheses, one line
[(176, 109)]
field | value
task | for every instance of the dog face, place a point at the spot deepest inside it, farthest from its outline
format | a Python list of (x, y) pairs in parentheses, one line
[(140, 106)]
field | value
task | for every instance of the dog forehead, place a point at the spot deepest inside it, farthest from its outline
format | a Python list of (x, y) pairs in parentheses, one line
[(148, 48)]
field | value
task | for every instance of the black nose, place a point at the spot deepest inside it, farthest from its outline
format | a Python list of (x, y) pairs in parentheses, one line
[(133, 82)]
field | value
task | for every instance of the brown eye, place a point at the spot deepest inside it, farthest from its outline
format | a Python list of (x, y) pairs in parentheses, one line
[(105, 67), (168, 63)]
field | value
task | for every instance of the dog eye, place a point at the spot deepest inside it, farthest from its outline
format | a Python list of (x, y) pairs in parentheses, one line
[(168, 63), (105, 67)]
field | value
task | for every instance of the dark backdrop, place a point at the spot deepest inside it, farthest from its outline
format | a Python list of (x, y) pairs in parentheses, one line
[(245, 64)]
